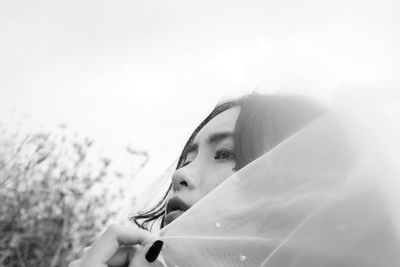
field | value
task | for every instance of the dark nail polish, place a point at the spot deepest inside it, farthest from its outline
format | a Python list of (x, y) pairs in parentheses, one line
[(154, 250)]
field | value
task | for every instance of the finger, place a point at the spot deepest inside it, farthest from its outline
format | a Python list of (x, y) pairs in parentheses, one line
[(85, 250), (115, 236), (147, 256), (79, 263), (75, 263), (122, 256), (154, 250)]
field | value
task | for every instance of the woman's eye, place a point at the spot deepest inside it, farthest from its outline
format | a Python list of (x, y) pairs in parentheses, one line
[(224, 154)]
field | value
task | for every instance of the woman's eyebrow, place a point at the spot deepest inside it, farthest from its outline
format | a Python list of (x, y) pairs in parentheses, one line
[(212, 139), (219, 136)]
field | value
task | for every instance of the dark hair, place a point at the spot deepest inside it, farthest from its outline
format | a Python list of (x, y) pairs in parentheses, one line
[(264, 122)]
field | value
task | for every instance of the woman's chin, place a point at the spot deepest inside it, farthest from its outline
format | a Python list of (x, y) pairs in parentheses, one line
[(172, 216)]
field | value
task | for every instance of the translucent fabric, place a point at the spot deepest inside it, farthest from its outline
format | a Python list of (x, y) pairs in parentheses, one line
[(326, 196)]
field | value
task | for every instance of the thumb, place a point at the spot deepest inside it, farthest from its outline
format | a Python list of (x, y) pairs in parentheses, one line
[(110, 241), (154, 251), (147, 256)]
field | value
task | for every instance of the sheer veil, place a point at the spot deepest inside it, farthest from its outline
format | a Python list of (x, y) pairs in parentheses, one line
[(326, 196)]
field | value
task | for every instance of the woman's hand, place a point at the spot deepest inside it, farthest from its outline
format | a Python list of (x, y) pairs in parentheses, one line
[(122, 245)]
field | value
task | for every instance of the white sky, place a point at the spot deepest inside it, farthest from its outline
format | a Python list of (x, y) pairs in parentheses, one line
[(146, 73)]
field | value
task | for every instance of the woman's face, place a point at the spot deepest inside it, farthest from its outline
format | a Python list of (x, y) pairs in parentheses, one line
[(209, 162)]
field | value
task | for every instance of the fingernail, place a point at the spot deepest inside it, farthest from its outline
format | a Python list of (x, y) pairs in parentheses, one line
[(154, 250)]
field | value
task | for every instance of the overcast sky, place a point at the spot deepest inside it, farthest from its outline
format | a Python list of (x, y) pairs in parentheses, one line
[(146, 73)]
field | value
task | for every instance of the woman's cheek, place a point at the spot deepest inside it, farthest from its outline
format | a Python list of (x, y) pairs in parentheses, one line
[(223, 173)]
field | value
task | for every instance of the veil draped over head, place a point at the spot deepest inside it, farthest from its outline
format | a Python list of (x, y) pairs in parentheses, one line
[(326, 196)]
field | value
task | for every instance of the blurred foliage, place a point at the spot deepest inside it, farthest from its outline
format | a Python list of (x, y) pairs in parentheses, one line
[(56, 195)]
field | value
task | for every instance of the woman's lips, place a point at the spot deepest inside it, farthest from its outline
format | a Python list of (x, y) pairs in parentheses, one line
[(175, 208), (176, 203)]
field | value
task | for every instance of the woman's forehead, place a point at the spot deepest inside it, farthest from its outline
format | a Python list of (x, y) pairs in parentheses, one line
[(222, 123)]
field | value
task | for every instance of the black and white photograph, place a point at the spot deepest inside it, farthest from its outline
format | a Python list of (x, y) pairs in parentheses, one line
[(218, 133)]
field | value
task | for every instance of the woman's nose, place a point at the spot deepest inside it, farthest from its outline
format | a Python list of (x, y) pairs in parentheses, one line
[(183, 179)]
